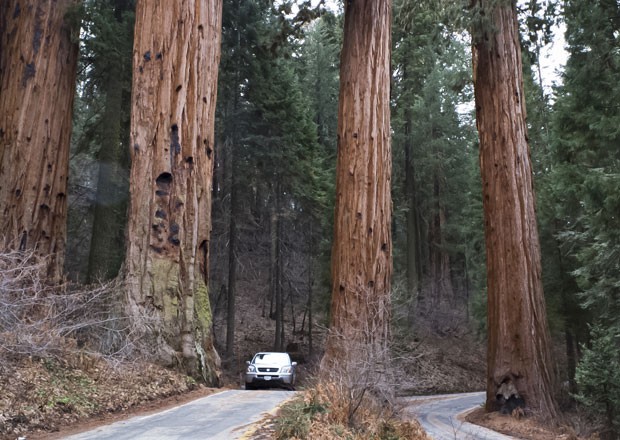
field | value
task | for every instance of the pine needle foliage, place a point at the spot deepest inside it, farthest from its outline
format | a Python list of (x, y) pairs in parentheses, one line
[(598, 376)]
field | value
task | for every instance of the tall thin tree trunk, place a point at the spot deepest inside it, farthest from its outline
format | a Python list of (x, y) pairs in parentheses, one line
[(413, 228), (442, 290), (273, 259), (309, 313), (519, 361), (232, 263), (38, 61), (571, 334), (362, 247), (279, 304), (176, 56)]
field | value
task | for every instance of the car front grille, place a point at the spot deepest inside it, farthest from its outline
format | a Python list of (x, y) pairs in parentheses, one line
[(268, 370)]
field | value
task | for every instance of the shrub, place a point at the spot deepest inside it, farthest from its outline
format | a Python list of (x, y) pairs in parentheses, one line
[(322, 413), (296, 417), (598, 375), (59, 321)]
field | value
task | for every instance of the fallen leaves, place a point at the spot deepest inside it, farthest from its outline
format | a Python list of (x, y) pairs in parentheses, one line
[(45, 394)]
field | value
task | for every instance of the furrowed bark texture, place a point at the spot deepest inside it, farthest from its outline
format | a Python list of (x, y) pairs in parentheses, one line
[(38, 64), (175, 62), (518, 345), (362, 249)]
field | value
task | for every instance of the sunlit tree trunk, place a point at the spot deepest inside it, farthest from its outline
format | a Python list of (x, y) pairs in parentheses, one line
[(362, 248), (519, 362), (38, 61), (175, 66)]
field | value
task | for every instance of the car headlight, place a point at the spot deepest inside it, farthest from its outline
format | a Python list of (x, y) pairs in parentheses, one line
[(251, 369), (287, 370)]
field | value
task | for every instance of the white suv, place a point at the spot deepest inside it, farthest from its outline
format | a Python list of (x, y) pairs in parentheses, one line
[(270, 369)]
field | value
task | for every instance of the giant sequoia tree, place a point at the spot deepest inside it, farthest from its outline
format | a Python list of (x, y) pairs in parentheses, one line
[(362, 247), (175, 61), (519, 363), (38, 61)]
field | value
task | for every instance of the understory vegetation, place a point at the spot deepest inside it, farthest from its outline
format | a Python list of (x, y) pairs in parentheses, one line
[(329, 411), (67, 353)]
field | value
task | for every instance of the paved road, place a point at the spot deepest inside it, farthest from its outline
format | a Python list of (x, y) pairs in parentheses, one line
[(438, 415), (221, 416)]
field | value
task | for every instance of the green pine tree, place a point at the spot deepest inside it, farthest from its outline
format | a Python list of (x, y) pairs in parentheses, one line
[(432, 145), (587, 138), (584, 177), (102, 127), (598, 376)]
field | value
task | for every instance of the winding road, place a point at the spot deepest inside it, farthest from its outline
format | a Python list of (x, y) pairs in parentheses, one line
[(229, 415), (438, 415), (222, 416)]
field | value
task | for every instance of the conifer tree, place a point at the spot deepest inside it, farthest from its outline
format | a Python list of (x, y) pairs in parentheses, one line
[(107, 59), (585, 125), (175, 68), (518, 359), (432, 143), (584, 186), (362, 247), (269, 144)]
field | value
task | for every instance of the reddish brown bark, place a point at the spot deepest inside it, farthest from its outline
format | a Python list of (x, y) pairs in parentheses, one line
[(518, 345), (362, 248), (176, 57), (38, 63)]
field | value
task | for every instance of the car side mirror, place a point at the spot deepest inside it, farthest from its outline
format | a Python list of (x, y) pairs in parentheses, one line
[(293, 363), (247, 362)]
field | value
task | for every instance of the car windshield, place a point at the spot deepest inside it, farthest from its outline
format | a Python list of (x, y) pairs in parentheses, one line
[(271, 358)]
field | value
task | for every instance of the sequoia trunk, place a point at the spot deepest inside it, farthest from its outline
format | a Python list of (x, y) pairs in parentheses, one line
[(362, 248), (519, 364), (175, 62), (38, 62)]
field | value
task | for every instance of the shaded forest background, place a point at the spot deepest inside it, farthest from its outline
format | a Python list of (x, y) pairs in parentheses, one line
[(274, 179)]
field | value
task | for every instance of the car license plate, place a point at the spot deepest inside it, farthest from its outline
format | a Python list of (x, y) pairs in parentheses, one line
[(267, 377)]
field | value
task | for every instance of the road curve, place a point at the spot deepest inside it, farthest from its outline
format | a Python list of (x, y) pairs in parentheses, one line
[(438, 415), (222, 416)]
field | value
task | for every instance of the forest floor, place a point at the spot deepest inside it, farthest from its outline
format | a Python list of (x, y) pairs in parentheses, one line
[(41, 397), (526, 428), (50, 398)]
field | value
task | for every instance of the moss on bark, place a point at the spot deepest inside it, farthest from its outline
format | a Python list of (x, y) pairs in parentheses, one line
[(180, 310), (208, 357)]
